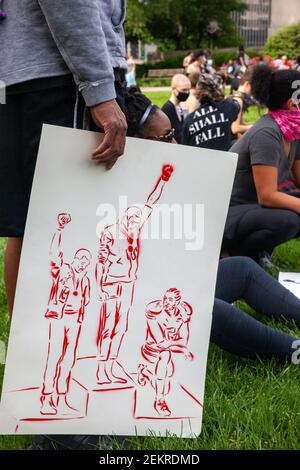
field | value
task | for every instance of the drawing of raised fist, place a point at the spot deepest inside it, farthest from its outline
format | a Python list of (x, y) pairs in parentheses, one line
[(63, 219), (167, 171)]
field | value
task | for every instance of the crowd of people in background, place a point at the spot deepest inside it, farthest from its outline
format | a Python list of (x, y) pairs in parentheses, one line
[(206, 109), (65, 70)]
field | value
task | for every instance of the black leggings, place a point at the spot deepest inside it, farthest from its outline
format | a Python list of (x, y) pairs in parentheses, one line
[(239, 333), (258, 229)]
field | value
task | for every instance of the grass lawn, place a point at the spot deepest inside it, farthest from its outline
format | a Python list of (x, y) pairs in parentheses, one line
[(248, 405), (158, 97)]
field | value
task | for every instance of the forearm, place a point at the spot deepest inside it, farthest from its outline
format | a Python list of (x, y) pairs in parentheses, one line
[(179, 349), (178, 344), (296, 172), (100, 276), (77, 31), (55, 251), (156, 193), (239, 128), (278, 200)]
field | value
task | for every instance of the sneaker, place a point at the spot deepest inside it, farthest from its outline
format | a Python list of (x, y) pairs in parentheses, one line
[(264, 260), (162, 408)]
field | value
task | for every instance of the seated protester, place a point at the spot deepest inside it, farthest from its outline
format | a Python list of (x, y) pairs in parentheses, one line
[(146, 120), (197, 63), (187, 60), (220, 78), (296, 65), (192, 103), (265, 204), (243, 97), (181, 86), (238, 277), (210, 125), (235, 83), (230, 69), (130, 76), (242, 60)]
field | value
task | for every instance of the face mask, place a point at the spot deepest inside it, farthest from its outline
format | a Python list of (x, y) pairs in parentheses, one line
[(288, 122), (182, 96)]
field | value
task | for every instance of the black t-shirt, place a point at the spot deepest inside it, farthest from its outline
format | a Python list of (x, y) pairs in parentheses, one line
[(210, 126), (170, 110), (241, 55)]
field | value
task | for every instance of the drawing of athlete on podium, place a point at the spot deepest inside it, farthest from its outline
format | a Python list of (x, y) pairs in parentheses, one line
[(69, 297), (116, 273)]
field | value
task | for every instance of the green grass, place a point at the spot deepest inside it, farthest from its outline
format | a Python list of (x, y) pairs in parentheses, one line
[(248, 404), (158, 97), (7, 442)]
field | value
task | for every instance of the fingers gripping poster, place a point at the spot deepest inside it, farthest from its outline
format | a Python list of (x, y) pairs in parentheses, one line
[(112, 316)]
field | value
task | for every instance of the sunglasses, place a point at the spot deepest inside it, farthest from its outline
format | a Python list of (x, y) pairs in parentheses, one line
[(167, 137)]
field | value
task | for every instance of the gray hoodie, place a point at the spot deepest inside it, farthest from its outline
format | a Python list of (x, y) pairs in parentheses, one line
[(49, 38)]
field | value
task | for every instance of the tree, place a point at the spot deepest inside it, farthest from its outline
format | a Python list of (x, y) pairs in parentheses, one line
[(181, 23), (286, 41)]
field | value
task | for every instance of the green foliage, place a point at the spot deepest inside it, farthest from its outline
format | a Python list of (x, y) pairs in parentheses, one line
[(163, 21), (286, 41), (135, 25), (222, 57), (175, 62), (169, 63)]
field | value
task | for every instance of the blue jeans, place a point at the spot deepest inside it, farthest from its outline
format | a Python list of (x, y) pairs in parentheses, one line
[(241, 334)]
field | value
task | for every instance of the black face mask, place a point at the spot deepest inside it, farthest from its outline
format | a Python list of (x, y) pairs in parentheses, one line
[(182, 96)]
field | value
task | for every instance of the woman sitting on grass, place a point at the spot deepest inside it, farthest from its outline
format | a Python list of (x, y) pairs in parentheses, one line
[(243, 97), (210, 126), (238, 277), (265, 202)]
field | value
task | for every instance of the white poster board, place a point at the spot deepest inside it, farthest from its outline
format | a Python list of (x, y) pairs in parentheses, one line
[(290, 281), (112, 315)]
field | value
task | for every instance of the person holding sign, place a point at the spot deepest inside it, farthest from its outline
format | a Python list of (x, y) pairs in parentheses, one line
[(71, 57)]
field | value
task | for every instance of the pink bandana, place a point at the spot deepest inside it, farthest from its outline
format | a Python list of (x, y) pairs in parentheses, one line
[(288, 122)]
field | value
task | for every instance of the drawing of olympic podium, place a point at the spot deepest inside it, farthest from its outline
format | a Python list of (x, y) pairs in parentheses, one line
[(67, 391)]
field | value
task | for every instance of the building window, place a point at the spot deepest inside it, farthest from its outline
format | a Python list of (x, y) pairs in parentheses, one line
[(253, 25)]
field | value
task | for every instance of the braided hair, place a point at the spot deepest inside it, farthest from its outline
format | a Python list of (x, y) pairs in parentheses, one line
[(136, 105), (209, 89), (273, 88)]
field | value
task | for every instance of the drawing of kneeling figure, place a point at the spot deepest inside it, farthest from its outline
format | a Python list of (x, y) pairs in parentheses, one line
[(167, 334)]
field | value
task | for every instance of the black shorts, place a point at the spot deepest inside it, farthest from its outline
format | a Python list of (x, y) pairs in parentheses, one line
[(28, 106)]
